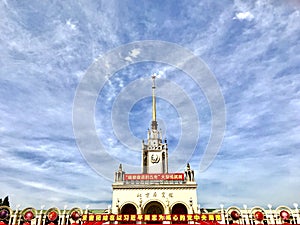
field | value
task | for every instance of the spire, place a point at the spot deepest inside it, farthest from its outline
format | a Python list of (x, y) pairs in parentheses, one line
[(154, 123)]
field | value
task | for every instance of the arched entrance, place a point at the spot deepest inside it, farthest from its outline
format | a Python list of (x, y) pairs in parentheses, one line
[(128, 209), (179, 208), (154, 208)]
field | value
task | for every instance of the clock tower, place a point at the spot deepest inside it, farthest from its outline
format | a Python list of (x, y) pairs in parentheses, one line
[(154, 190), (155, 151)]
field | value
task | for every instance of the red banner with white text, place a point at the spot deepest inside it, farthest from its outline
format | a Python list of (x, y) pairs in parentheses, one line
[(158, 176), (151, 217)]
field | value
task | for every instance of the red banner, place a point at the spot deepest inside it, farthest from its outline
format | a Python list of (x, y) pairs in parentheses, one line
[(155, 176), (151, 217)]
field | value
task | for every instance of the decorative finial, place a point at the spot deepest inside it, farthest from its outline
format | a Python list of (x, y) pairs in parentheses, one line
[(154, 76)]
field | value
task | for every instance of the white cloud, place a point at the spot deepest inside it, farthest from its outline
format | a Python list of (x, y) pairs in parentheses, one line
[(244, 16), (71, 25), (135, 52)]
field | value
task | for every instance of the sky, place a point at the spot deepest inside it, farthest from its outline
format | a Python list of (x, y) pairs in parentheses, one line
[(249, 52)]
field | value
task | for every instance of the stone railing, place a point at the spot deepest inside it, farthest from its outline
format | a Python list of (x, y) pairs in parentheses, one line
[(260, 215)]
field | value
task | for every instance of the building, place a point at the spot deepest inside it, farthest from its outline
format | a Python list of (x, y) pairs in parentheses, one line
[(154, 190)]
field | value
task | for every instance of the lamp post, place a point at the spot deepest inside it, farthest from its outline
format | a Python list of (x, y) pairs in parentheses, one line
[(223, 214), (64, 215), (40, 221), (296, 206), (87, 209), (297, 212), (246, 221), (16, 215), (271, 214)]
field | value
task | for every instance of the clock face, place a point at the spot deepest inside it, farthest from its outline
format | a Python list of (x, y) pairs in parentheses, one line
[(155, 158)]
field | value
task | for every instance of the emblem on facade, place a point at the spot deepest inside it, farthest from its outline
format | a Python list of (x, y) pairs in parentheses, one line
[(155, 158)]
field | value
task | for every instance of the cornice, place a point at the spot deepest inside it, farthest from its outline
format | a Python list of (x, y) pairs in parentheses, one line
[(154, 186)]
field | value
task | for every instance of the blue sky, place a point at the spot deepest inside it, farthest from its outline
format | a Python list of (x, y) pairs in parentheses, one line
[(251, 47)]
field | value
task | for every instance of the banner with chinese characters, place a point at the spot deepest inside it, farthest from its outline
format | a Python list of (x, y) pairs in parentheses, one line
[(151, 217), (158, 176)]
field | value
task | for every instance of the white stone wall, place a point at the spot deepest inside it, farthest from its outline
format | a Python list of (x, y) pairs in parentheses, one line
[(167, 196)]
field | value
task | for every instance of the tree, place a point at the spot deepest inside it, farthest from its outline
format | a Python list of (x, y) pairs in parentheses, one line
[(4, 202)]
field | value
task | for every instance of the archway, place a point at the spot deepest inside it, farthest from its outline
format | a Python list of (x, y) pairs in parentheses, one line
[(128, 209), (179, 208), (154, 208)]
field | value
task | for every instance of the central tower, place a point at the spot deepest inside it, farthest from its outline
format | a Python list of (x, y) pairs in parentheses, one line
[(155, 151), (155, 190)]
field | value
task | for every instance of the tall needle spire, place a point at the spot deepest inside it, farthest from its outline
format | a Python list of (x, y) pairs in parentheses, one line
[(154, 123)]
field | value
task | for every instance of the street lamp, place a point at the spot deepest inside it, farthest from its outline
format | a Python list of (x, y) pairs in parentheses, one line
[(297, 211), (247, 216), (87, 209), (16, 214), (272, 219), (222, 207), (64, 215), (40, 221), (223, 213)]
